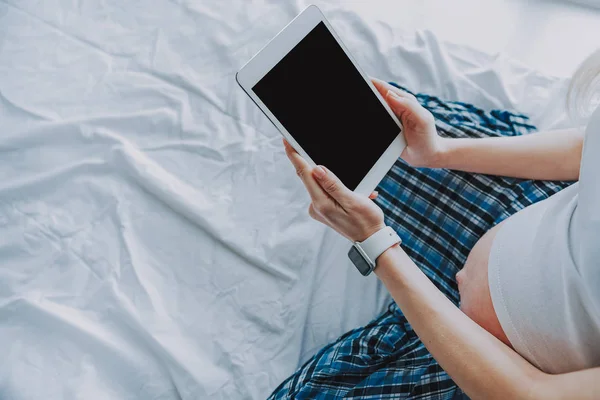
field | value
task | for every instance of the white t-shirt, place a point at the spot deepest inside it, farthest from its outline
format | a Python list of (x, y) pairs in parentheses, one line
[(544, 272)]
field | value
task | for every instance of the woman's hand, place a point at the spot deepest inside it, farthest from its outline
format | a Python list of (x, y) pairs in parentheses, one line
[(424, 146), (352, 215)]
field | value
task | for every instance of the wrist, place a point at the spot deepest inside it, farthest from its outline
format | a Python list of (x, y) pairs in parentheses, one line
[(396, 270), (387, 261), (439, 158), (368, 233), (364, 255)]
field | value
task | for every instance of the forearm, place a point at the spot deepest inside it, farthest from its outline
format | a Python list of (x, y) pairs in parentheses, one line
[(580, 385), (483, 366), (478, 362), (552, 155)]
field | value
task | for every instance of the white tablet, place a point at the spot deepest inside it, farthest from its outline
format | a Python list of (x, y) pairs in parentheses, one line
[(310, 87)]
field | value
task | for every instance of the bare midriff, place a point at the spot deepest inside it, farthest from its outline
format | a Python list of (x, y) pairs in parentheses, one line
[(475, 298)]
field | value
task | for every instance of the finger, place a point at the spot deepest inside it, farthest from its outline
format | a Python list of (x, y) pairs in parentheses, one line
[(304, 171), (332, 185), (410, 112), (374, 195), (383, 88), (401, 106)]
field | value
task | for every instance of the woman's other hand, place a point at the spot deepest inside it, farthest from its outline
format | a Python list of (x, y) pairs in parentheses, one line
[(350, 214), (424, 146)]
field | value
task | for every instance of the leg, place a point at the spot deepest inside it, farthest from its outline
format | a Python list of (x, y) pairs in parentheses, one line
[(384, 359), (440, 215)]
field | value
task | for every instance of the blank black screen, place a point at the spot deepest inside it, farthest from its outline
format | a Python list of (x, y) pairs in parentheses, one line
[(318, 95)]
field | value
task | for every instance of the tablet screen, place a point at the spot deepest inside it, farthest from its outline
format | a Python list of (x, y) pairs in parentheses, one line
[(322, 100)]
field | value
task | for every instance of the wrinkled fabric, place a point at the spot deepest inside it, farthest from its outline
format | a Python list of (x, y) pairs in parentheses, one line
[(154, 241)]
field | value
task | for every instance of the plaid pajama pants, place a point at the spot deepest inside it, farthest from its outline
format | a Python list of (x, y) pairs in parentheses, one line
[(440, 215)]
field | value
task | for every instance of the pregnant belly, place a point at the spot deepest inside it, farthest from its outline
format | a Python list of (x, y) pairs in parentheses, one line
[(475, 298)]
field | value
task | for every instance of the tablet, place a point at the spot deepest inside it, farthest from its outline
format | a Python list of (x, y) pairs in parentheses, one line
[(310, 87)]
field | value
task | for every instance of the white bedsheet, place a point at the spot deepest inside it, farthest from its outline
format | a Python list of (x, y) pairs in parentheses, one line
[(154, 241)]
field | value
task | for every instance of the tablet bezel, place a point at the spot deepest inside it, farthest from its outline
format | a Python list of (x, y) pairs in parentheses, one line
[(255, 69)]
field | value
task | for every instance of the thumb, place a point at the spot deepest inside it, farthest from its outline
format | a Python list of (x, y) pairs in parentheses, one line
[(408, 109), (399, 104), (332, 185)]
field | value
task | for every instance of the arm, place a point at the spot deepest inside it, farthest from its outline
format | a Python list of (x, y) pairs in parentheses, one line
[(480, 364), (552, 155)]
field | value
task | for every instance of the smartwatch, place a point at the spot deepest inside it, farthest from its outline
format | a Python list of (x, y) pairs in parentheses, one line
[(364, 254)]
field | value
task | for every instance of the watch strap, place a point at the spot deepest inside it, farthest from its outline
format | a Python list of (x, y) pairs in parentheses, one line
[(379, 242)]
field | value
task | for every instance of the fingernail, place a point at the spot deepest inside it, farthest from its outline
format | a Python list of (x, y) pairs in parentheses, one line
[(319, 172)]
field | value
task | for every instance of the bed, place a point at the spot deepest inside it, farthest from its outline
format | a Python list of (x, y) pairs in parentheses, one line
[(154, 241)]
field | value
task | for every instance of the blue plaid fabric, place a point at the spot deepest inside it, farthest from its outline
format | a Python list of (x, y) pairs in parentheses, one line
[(440, 215)]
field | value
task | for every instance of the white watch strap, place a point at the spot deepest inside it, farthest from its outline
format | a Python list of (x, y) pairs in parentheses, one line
[(379, 242)]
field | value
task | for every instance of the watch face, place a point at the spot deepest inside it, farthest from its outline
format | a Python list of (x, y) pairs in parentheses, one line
[(357, 259)]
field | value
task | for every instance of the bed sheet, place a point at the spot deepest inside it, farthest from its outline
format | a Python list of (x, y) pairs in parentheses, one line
[(154, 241)]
